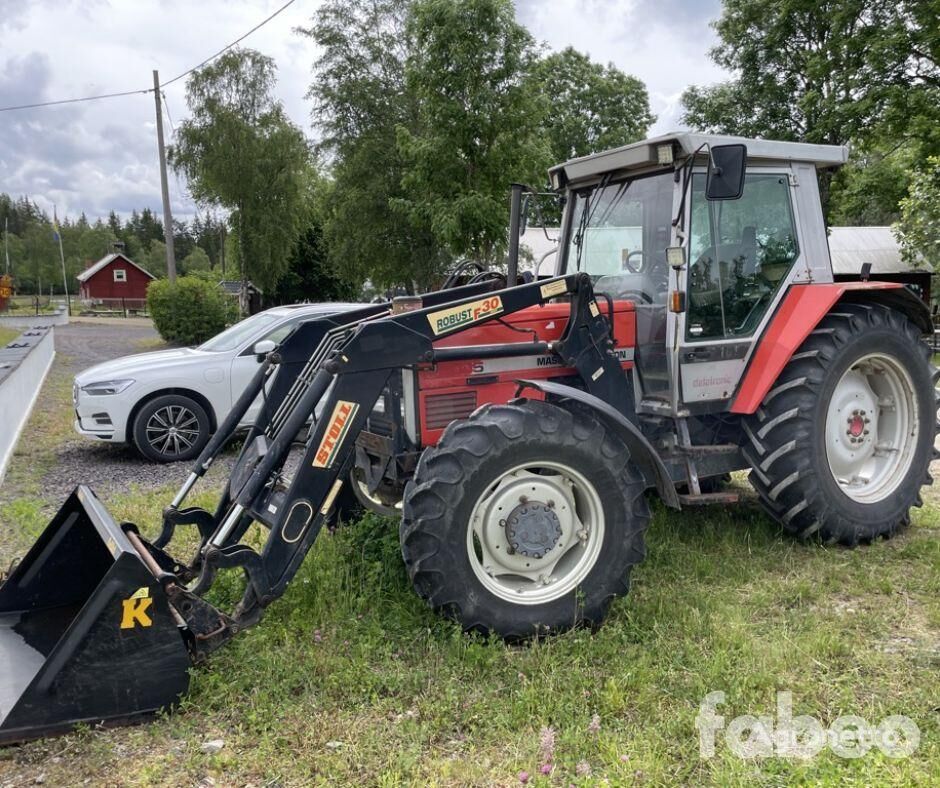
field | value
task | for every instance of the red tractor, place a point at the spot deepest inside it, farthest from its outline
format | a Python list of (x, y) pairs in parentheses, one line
[(692, 327)]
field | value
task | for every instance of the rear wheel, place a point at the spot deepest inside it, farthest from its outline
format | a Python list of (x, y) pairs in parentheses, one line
[(524, 519), (842, 444)]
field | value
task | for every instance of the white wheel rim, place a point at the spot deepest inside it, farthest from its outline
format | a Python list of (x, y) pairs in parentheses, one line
[(375, 497), (571, 531), (872, 426)]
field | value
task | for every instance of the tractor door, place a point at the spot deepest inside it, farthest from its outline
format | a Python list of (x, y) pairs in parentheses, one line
[(619, 234), (741, 255)]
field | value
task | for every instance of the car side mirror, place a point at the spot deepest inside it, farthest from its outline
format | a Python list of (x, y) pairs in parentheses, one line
[(726, 167), (262, 348)]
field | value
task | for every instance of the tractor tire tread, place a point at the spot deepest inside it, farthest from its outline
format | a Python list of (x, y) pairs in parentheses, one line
[(442, 472), (778, 440)]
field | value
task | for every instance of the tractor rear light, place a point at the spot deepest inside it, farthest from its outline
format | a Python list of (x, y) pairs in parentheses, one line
[(677, 301), (442, 409)]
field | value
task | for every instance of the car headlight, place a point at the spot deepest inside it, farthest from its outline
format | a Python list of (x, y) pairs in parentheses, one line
[(107, 387)]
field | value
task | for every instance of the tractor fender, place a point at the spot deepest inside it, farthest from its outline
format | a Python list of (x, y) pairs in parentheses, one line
[(641, 450), (799, 313)]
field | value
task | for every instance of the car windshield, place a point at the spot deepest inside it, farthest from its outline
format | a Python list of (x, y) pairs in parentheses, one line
[(619, 235), (235, 336)]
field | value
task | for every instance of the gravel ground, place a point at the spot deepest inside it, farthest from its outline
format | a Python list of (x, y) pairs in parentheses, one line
[(106, 468)]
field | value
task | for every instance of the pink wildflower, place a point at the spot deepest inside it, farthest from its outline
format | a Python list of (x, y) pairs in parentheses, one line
[(595, 724), (547, 744)]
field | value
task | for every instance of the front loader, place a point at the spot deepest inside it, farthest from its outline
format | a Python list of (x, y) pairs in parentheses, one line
[(517, 424)]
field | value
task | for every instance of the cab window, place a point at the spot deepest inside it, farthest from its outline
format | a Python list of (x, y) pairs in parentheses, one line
[(620, 232), (740, 251)]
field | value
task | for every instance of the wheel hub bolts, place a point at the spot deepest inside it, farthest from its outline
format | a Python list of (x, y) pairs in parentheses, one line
[(532, 529), (857, 426)]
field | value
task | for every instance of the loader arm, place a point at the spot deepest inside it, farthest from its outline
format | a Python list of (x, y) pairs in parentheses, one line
[(348, 383)]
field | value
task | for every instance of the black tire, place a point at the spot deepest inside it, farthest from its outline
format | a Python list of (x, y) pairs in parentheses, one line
[(191, 418), (786, 439), (470, 456)]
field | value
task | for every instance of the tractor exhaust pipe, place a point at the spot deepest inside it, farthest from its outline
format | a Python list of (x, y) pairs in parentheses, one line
[(515, 230)]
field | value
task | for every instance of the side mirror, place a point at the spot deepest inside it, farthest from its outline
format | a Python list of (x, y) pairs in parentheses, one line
[(263, 347), (726, 167)]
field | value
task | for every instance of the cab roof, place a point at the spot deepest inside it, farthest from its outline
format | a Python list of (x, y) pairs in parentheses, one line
[(645, 154)]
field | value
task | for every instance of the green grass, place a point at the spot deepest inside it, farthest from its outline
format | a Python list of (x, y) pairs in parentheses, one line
[(26, 305), (350, 679), (8, 335)]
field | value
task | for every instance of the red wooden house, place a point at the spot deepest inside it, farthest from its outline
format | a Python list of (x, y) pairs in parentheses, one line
[(114, 276)]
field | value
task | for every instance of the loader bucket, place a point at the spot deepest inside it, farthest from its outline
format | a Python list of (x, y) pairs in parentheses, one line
[(86, 632)]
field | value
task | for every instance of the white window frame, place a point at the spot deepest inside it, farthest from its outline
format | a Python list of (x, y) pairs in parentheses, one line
[(123, 274)]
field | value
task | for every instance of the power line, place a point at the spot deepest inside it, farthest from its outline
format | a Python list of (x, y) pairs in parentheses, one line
[(166, 109), (209, 59), (74, 100), (226, 48)]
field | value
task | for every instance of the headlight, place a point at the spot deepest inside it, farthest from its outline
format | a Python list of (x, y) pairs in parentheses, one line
[(107, 387)]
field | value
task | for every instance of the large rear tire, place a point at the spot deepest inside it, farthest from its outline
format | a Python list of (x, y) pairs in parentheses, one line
[(842, 443), (525, 519)]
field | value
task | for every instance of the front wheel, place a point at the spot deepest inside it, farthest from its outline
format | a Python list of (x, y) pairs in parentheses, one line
[(842, 443), (171, 428), (525, 519)]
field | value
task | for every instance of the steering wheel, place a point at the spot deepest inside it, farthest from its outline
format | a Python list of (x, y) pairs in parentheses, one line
[(631, 268), (637, 296)]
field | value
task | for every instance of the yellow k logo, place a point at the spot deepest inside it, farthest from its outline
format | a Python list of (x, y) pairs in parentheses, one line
[(135, 609)]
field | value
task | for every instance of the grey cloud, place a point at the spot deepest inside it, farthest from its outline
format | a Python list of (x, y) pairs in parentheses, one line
[(692, 17), (91, 157), (24, 80), (13, 14)]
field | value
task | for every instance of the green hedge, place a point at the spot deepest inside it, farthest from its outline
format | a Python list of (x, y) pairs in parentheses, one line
[(190, 311)]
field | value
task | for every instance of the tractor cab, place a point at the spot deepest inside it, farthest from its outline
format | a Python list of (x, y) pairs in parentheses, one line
[(704, 234)]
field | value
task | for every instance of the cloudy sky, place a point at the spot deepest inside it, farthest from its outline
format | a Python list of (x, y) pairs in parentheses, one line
[(99, 156)]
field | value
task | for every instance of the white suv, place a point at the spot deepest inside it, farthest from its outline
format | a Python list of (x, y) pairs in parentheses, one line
[(168, 403)]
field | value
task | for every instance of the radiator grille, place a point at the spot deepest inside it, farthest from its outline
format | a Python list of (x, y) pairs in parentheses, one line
[(442, 409)]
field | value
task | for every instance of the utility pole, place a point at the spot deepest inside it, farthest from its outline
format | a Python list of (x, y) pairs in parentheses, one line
[(6, 240), (222, 248), (65, 281), (164, 187)]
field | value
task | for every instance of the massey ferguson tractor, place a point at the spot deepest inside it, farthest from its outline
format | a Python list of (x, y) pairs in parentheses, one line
[(516, 424)]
